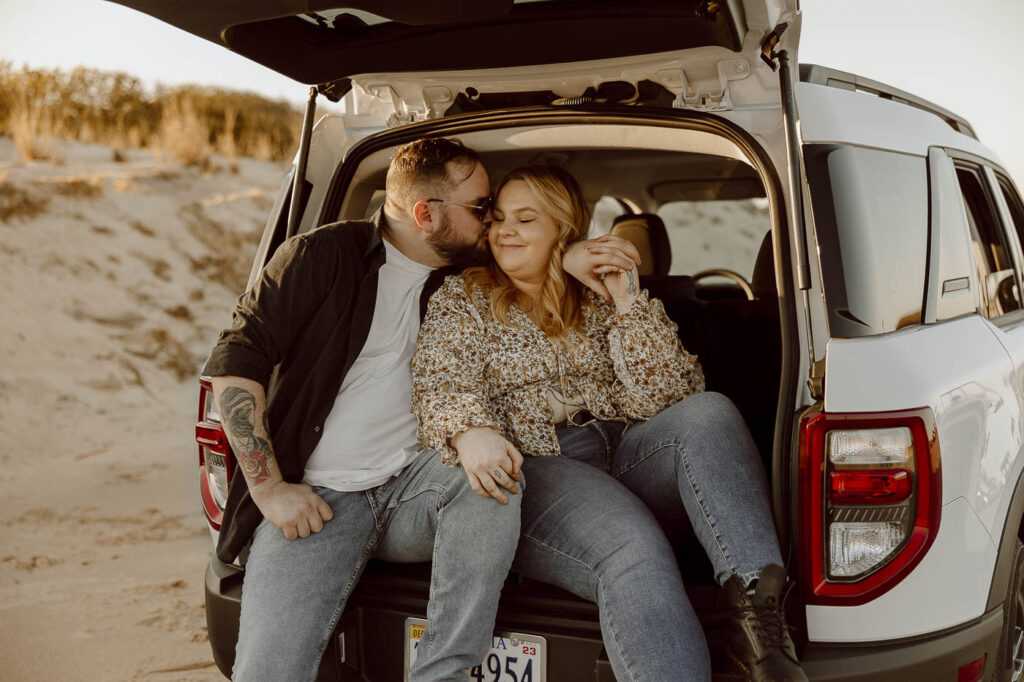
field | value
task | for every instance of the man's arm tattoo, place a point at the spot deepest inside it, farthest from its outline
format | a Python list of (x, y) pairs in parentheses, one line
[(632, 283), (253, 452)]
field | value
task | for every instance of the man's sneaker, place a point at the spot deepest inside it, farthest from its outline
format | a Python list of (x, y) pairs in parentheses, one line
[(759, 648)]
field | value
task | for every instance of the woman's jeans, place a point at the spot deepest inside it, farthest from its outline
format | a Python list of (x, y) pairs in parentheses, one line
[(586, 533)]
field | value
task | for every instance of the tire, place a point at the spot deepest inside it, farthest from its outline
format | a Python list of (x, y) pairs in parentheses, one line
[(1010, 660)]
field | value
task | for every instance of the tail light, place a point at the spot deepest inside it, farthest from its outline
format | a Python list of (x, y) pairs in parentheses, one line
[(870, 496), (215, 457)]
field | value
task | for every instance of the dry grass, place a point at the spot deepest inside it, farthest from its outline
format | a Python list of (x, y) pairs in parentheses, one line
[(160, 346), (189, 122), (84, 188), (30, 130), (142, 229), (233, 260), (16, 203), (184, 134)]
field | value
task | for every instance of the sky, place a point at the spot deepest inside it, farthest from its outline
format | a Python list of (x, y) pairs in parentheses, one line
[(964, 56)]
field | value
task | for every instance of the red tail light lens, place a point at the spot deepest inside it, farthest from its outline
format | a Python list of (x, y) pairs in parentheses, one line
[(215, 456), (870, 495), (973, 671), (869, 487)]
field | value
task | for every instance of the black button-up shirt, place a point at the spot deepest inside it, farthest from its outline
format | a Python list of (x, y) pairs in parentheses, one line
[(297, 331)]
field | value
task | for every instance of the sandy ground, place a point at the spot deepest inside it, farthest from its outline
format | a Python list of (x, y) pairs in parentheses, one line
[(116, 278)]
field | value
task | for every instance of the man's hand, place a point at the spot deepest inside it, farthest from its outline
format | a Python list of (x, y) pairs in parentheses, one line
[(292, 507), (489, 461), (588, 260)]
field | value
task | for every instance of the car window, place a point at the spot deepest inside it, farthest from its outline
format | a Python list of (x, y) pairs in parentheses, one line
[(1015, 205), (871, 222), (706, 235), (991, 248)]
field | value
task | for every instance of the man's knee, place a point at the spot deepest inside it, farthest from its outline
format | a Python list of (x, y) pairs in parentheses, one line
[(460, 488)]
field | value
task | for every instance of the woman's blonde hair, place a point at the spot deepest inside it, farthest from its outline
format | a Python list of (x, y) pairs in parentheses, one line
[(560, 196)]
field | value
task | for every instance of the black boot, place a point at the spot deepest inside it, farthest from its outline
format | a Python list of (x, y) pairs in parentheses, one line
[(759, 648)]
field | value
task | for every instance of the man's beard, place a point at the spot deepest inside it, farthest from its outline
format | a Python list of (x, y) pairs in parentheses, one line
[(445, 243)]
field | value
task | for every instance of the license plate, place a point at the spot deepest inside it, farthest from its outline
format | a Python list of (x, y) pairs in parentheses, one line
[(513, 657)]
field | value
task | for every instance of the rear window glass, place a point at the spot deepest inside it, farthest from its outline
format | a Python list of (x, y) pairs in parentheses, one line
[(1015, 205), (871, 219), (715, 234), (992, 252)]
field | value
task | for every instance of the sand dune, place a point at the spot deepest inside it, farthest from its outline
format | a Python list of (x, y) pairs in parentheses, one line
[(116, 278)]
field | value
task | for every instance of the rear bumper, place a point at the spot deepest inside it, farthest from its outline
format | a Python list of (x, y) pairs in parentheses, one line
[(223, 606), (932, 658), (388, 594), (368, 643)]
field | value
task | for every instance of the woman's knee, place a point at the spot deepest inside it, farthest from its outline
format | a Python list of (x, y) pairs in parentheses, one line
[(707, 409)]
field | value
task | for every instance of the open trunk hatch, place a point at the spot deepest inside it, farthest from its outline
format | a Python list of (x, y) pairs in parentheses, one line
[(318, 41)]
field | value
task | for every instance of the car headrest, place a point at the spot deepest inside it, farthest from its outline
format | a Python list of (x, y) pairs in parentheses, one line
[(647, 233)]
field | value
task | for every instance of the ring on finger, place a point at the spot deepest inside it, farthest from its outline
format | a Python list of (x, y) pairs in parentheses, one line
[(497, 473)]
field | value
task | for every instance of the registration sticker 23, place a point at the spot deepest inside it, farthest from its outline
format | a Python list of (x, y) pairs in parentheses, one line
[(513, 656)]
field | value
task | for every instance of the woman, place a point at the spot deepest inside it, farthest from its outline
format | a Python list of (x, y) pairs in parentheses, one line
[(515, 357)]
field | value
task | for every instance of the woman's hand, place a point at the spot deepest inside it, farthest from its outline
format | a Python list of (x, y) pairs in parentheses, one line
[(624, 287), (489, 461), (588, 259)]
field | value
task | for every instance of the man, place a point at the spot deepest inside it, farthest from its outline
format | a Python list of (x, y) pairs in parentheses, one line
[(314, 385)]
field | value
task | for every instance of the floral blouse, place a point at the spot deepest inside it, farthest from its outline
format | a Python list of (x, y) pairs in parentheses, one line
[(471, 370)]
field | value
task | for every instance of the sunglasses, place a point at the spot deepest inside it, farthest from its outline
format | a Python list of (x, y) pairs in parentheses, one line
[(479, 211)]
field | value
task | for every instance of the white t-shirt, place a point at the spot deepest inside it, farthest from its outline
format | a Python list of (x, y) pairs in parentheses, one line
[(370, 433)]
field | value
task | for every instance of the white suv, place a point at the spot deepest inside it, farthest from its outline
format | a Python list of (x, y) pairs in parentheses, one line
[(845, 258)]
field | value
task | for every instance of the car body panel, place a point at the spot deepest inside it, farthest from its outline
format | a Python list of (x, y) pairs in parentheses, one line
[(831, 115), (961, 371), (949, 587)]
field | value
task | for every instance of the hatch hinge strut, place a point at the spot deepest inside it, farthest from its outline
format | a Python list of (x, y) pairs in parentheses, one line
[(779, 60), (295, 207)]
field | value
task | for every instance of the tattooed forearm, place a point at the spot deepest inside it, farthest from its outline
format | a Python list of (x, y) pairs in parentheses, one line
[(633, 291), (256, 466), (254, 453)]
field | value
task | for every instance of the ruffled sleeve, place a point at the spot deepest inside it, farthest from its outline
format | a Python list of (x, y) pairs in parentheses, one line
[(449, 393), (652, 369)]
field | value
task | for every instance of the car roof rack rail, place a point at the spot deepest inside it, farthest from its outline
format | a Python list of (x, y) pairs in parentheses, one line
[(833, 78)]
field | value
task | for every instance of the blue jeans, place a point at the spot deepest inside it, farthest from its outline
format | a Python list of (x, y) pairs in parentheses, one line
[(600, 539), (295, 590)]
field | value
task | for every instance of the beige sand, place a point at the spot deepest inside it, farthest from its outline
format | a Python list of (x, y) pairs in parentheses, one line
[(115, 279)]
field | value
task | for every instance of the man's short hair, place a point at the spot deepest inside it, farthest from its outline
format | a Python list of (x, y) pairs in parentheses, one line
[(421, 167)]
